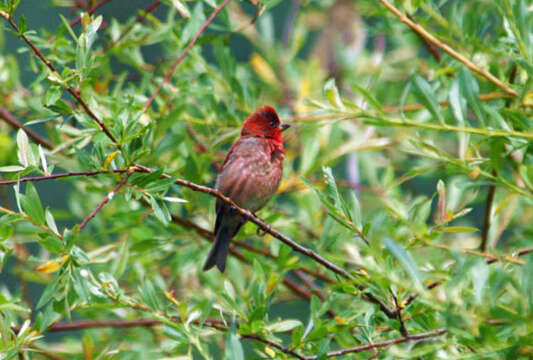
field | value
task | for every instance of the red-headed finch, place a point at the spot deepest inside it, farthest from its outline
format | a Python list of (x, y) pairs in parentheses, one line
[(250, 175)]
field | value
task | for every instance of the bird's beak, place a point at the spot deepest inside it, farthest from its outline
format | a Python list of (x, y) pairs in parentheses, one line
[(284, 127)]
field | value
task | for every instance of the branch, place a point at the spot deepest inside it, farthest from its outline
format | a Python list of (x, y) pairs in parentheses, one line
[(432, 39), (248, 215), (58, 176), (207, 235), (184, 53), (90, 11), (362, 348), (10, 119), (89, 324), (147, 10), (50, 66), (106, 199)]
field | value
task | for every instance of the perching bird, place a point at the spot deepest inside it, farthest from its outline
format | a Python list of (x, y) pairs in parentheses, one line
[(250, 175)]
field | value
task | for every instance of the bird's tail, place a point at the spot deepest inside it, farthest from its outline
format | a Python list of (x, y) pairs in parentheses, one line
[(218, 253)]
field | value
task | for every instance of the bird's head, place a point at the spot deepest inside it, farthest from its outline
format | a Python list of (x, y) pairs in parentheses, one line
[(264, 123)]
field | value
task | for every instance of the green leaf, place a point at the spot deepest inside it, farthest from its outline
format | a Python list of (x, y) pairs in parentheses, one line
[(234, 349), (11, 168), (406, 261), (425, 94), (160, 212), (22, 25), (24, 152), (459, 229), (52, 95), (32, 204), (283, 325), (332, 93), (470, 89)]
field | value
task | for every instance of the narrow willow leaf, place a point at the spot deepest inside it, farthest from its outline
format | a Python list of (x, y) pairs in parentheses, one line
[(32, 204), (459, 229), (332, 93), (406, 260), (427, 97), (11, 168), (24, 150), (283, 325), (234, 349)]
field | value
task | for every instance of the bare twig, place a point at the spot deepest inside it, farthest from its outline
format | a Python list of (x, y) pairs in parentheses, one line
[(90, 11), (248, 215), (10, 119), (147, 10), (58, 176), (184, 53), (357, 349), (51, 66), (456, 55), (106, 199), (89, 324)]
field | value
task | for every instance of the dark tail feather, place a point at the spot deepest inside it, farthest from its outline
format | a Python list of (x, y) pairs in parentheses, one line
[(219, 251)]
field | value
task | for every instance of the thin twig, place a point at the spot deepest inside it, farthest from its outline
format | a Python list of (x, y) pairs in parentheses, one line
[(429, 46), (90, 11), (10, 119), (456, 55), (106, 200), (147, 10), (51, 66), (248, 215), (362, 348), (89, 324), (58, 176), (184, 53)]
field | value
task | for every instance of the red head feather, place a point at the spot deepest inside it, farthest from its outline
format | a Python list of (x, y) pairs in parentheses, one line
[(264, 123)]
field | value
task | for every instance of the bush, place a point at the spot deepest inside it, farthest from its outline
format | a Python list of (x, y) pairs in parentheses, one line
[(402, 225)]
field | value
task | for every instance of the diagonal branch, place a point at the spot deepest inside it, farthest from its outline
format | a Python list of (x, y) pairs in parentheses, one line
[(106, 199), (357, 349), (10, 119), (90, 11), (456, 55), (59, 176), (263, 225), (52, 68), (184, 53)]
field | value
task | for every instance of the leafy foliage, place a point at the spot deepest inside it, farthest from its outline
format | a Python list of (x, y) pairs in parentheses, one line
[(405, 166)]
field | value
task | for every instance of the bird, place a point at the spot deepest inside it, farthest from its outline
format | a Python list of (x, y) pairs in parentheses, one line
[(250, 175)]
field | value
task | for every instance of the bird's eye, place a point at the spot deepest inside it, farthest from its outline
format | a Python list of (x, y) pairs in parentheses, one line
[(272, 123)]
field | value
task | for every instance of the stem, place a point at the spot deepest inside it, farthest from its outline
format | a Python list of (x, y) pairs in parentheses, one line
[(184, 53), (10, 119), (456, 55), (362, 348), (106, 199)]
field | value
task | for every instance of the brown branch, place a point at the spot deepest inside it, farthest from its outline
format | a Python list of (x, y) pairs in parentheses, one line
[(207, 235), (362, 348), (263, 225), (429, 46), (50, 66), (90, 11), (10, 119), (106, 200), (184, 53), (89, 324), (147, 10), (58, 176), (456, 55), (491, 259)]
